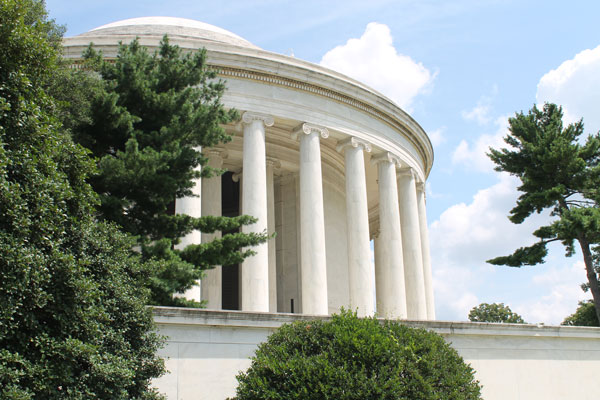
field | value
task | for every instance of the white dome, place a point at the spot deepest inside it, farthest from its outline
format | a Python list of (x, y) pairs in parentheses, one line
[(174, 27)]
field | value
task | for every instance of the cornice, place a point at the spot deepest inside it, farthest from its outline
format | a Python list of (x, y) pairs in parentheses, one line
[(240, 73), (252, 67)]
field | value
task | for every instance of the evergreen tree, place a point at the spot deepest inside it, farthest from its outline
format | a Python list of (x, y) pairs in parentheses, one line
[(73, 321), (146, 123), (560, 173), (494, 312)]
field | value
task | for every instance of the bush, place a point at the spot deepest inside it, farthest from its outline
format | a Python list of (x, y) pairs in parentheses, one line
[(352, 358)]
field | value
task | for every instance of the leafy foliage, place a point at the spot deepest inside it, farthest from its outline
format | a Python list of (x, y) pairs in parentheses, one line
[(145, 118), (585, 315), (72, 318), (557, 172), (352, 358), (495, 312)]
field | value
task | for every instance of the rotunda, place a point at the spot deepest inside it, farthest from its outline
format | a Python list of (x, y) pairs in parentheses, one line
[(321, 159)]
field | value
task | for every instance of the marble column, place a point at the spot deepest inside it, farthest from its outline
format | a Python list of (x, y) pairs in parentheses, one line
[(428, 280), (192, 206), (255, 269), (360, 269), (389, 267), (416, 302), (272, 163), (312, 221), (211, 205)]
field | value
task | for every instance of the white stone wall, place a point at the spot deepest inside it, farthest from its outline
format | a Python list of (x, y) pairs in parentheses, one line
[(206, 349)]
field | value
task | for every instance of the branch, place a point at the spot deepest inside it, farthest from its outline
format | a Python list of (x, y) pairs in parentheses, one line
[(531, 255)]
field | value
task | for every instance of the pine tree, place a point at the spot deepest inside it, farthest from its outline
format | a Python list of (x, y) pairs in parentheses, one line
[(73, 321), (560, 173), (145, 125)]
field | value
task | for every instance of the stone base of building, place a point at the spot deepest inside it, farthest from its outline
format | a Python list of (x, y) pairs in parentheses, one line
[(205, 350)]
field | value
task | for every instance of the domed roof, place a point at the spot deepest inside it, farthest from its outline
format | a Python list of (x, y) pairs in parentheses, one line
[(173, 27)]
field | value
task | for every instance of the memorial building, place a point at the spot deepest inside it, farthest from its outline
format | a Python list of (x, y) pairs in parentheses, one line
[(326, 162), (333, 168)]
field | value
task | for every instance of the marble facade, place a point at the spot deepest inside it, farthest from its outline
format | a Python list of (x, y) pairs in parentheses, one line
[(323, 161)]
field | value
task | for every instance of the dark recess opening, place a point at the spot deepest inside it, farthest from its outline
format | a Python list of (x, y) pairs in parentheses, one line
[(230, 203)]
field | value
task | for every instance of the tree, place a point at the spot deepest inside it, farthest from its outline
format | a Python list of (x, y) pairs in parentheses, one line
[(585, 315), (559, 173), (145, 122), (495, 312), (351, 358), (73, 321)]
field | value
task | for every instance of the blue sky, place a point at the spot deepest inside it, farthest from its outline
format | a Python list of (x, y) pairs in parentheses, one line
[(460, 68)]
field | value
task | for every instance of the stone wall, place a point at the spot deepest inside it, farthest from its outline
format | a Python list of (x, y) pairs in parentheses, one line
[(206, 349)]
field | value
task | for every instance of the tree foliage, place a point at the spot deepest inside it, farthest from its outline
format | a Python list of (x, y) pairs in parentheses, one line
[(73, 322), (494, 312), (351, 358), (558, 172), (585, 315), (145, 119)]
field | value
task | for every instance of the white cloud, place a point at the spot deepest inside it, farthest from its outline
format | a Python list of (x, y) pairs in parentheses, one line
[(437, 136), (575, 85), (481, 112), (474, 155), (475, 232), (465, 236), (564, 292), (374, 60)]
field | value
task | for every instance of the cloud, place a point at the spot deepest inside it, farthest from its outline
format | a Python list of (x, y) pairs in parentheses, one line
[(437, 136), (575, 85), (465, 236), (481, 112), (475, 232), (374, 60), (474, 155), (562, 283)]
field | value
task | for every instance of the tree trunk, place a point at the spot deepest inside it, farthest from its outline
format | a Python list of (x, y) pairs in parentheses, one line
[(591, 272)]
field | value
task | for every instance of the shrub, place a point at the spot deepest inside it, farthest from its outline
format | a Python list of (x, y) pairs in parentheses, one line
[(352, 358)]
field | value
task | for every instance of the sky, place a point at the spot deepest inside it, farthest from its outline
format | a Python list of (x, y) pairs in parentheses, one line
[(461, 69)]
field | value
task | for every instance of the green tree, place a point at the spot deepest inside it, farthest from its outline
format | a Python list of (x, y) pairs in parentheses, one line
[(559, 173), (585, 315), (351, 358), (494, 312), (145, 121), (73, 321)]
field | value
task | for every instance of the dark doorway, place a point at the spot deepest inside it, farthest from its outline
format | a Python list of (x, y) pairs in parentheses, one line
[(230, 203)]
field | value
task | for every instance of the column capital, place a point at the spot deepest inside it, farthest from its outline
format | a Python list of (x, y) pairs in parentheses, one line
[(353, 141), (386, 156), (249, 116), (407, 171), (273, 162), (421, 186), (236, 176), (307, 129), (217, 152)]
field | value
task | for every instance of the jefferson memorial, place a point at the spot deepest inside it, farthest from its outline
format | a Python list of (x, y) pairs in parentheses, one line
[(324, 161), (332, 167)]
